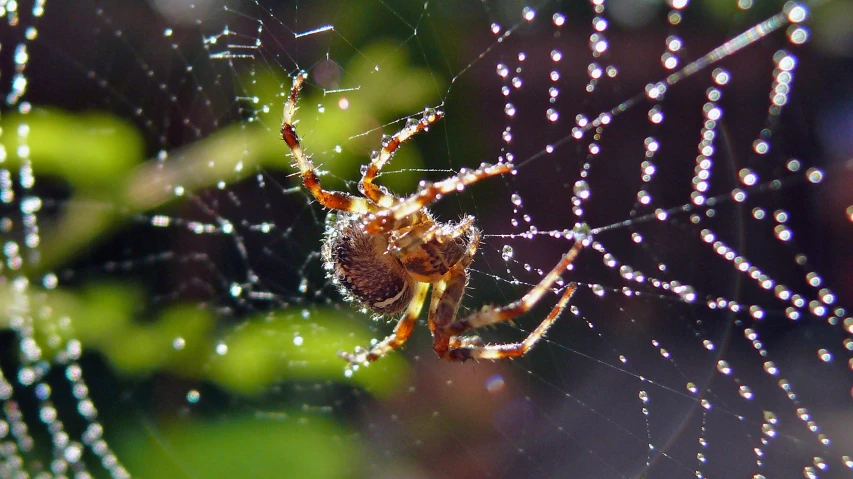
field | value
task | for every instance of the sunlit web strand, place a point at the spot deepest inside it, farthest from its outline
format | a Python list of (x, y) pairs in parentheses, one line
[(793, 13), (324, 28), (604, 417)]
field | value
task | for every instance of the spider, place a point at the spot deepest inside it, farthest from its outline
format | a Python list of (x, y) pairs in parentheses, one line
[(385, 252)]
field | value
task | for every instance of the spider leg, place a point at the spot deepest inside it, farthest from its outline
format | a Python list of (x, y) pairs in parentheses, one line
[(412, 128), (475, 349), (465, 342), (446, 296), (335, 200), (443, 309), (406, 211), (437, 291), (401, 332), (493, 315)]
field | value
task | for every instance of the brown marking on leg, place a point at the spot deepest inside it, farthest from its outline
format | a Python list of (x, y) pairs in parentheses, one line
[(445, 309), (442, 343)]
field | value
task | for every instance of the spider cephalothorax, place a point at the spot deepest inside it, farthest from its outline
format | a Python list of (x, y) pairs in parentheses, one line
[(385, 252), (381, 271)]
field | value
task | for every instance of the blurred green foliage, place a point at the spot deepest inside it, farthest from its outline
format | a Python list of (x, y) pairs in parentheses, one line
[(183, 339), (240, 447)]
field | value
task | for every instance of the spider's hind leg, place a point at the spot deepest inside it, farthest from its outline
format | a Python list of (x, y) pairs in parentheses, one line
[(399, 337), (494, 315), (468, 349)]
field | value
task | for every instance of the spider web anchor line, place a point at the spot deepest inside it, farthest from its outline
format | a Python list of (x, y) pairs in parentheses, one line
[(324, 28)]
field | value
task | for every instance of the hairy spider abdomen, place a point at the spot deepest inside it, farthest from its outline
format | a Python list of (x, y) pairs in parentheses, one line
[(361, 264)]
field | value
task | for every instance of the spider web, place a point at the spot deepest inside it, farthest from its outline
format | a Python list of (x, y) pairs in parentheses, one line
[(165, 307)]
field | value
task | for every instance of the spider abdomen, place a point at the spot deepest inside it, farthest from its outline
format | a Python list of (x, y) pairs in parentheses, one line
[(360, 263)]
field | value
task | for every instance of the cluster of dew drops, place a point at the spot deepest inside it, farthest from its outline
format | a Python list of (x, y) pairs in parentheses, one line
[(783, 74)]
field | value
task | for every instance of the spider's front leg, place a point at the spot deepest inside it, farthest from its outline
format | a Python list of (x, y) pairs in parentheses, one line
[(401, 332), (412, 128), (335, 200), (405, 212)]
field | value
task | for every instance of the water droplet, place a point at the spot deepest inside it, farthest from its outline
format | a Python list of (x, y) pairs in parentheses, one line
[(495, 384), (552, 115), (797, 13), (581, 189), (814, 175), (669, 61)]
